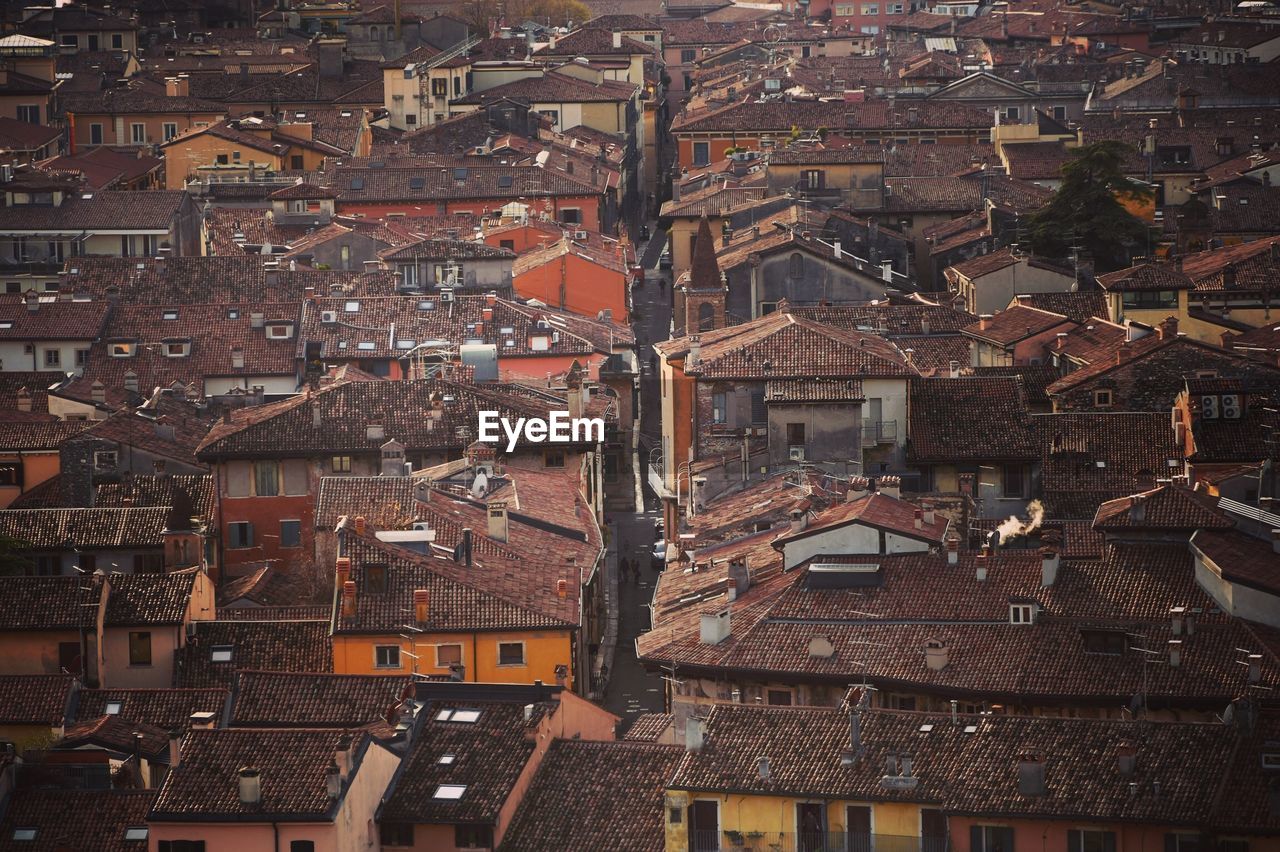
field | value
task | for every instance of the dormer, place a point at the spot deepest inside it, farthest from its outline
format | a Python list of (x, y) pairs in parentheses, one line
[(279, 329), (122, 348), (176, 347)]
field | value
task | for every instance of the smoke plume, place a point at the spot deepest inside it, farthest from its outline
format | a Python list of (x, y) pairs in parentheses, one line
[(1014, 526)]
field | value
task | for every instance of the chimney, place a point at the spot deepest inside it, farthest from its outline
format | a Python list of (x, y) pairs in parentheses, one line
[(98, 393), (731, 590), (32, 300), (859, 487), (466, 546), (421, 605), (1255, 668), (955, 370), (694, 733), (935, 654), (237, 357), (1031, 774), (714, 627), (984, 322), (890, 486), (498, 522), (695, 352), (1175, 653), (203, 720), (617, 38), (333, 780), (349, 599), (980, 566), (250, 786), (175, 748), (1127, 758), (360, 524), (1176, 616), (24, 399), (919, 519), (562, 588), (929, 517), (1275, 540), (953, 551), (342, 757), (798, 520), (256, 320), (177, 87), (342, 571), (315, 414), (375, 432), (131, 382), (1049, 561)]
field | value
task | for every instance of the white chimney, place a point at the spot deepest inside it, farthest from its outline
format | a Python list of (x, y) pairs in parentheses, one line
[(714, 627), (1255, 668), (980, 566), (1031, 774), (1176, 616), (731, 590), (953, 551), (1049, 561), (498, 522), (617, 38), (333, 781), (918, 520), (935, 654), (1175, 652), (695, 352), (250, 786), (955, 369), (930, 518), (375, 432), (798, 520), (694, 733)]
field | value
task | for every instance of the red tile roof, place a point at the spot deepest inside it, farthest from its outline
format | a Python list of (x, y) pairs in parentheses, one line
[(1169, 507), (969, 419), (76, 819), (56, 529), (163, 708), (876, 510), (36, 699), (312, 700), (278, 644), (1016, 323)]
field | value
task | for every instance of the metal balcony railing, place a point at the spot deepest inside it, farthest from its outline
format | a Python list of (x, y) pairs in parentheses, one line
[(811, 841), (879, 432)]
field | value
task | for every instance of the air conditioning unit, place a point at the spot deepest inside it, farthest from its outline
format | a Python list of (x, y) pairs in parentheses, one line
[(328, 317), (796, 454), (579, 235), (446, 294)]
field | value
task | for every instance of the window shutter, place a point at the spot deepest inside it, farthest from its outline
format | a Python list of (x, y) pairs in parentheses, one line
[(295, 476), (1170, 842), (1005, 842), (975, 839), (1073, 840), (1108, 841), (238, 479)]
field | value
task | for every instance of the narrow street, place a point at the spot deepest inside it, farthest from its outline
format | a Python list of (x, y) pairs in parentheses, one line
[(632, 690)]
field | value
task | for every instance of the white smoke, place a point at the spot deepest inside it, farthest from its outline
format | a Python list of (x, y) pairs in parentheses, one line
[(1013, 525)]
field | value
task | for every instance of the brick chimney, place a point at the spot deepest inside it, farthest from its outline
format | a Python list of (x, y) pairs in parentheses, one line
[(349, 599)]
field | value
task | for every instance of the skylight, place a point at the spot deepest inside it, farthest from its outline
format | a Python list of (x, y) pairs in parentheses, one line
[(504, 180), (357, 183), (170, 315), (444, 715), (352, 307), (367, 345), (446, 759), (221, 653), (113, 708), (417, 183), (449, 792), (6, 324), (21, 833), (468, 716), (136, 832)]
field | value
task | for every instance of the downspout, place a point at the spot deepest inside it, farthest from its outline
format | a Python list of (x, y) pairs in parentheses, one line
[(275, 830), (475, 659)]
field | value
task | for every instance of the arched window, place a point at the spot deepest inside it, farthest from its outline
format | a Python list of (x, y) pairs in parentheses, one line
[(796, 265), (706, 316)]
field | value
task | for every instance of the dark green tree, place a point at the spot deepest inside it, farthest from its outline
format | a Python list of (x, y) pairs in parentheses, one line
[(1087, 211), (13, 559)]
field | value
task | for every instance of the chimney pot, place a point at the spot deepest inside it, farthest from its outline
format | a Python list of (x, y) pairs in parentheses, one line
[(349, 599), (250, 786), (421, 605), (360, 524), (1175, 652)]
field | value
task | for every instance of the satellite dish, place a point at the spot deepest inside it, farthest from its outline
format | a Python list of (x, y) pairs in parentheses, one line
[(772, 34), (480, 485)]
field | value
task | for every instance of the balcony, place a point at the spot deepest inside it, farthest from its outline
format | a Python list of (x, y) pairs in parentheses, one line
[(815, 841), (876, 432)]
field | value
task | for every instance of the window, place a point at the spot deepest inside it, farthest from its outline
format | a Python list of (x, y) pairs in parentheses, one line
[(511, 653), (779, 697), (553, 114), (1102, 398), (340, 464), (1176, 842), (448, 655), (1150, 299), (687, 55), (473, 836), (170, 130), (1012, 113), (138, 133), (181, 846), (1022, 613), (139, 648), (396, 833), (105, 460), (1012, 480), (449, 792), (386, 657), (1104, 641), (221, 653), (701, 153), (990, 838), (553, 458), (1090, 840), (266, 478), (69, 661), (95, 134), (291, 533), (870, 9), (759, 411), (117, 41), (302, 846), (571, 216), (30, 113), (718, 413), (53, 358), (375, 578), (239, 534), (48, 566), (221, 160), (1060, 113), (811, 179), (136, 832), (23, 833), (795, 434)]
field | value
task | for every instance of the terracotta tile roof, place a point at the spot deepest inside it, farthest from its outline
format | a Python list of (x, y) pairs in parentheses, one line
[(386, 502), (116, 734), (1092, 340), (1145, 276), (1164, 364), (142, 599), (24, 136), (872, 115), (596, 41), (1035, 378), (141, 490), (51, 320), (50, 435), (313, 612), (212, 334), (56, 529), (36, 699), (1241, 558), (1249, 266), (1240, 805), (712, 201), (876, 510), (274, 645), (292, 763), (1090, 457), (310, 700), (437, 249), (624, 811), (1168, 507), (984, 264), (497, 183), (888, 320), (34, 384), (110, 210), (46, 603), (344, 411), (969, 419), (968, 767), (814, 391), (1036, 160), (206, 281), (555, 87), (162, 708), (783, 345), (77, 819), (962, 193), (648, 727), (494, 593), (1016, 323), (489, 755)]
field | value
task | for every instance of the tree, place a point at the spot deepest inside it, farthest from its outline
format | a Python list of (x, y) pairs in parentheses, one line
[(1086, 211), (13, 559)]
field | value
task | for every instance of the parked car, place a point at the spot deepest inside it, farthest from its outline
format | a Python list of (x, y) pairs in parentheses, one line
[(664, 261), (659, 560)]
